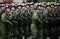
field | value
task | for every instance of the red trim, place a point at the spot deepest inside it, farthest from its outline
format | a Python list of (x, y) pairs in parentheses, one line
[(6, 2)]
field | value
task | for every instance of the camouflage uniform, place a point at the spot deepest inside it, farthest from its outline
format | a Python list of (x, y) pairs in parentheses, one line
[(14, 27), (7, 26), (19, 20)]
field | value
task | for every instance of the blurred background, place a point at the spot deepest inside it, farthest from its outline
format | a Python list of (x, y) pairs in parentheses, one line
[(10, 1)]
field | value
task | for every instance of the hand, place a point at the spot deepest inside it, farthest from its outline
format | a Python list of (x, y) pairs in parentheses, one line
[(11, 23)]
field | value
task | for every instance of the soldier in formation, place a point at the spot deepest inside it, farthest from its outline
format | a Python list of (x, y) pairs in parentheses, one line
[(30, 21)]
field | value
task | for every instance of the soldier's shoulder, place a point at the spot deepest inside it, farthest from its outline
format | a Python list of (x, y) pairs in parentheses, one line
[(3, 14)]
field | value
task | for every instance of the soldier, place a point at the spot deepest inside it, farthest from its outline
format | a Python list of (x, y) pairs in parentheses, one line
[(2, 8), (57, 22), (36, 27), (47, 21), (29, 15), (48, 15), (32, 5), (19, 19), (44, 19), (14, 21), (0, 19), (7, 24), (24, 18), (51, 21), (18, 9), (41, 27), (53, 12)]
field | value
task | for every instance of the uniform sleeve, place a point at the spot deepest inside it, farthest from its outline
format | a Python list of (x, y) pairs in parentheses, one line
[(4, 18)]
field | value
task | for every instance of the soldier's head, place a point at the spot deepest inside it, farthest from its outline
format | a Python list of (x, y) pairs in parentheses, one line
[(7, 9), (31, 5), (24, 7), (27, 6), (2, 7), (19, 7), (59, 6), (52, 5), (40, 7), (48, 7), (12, 8), (56, 7)]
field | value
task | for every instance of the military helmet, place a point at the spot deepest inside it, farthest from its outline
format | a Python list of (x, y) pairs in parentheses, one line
[(27, 4), (23, 5), (36, 5), (31, 3), (19, 5)]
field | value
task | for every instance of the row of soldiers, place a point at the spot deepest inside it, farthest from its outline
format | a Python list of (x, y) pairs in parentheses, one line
[(30, 21)]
